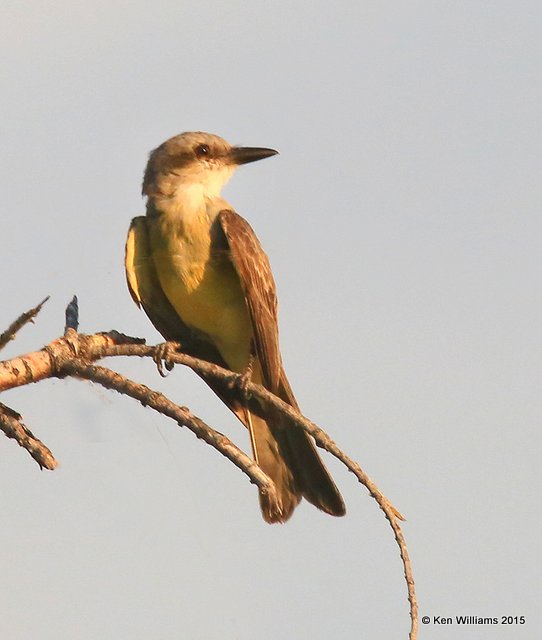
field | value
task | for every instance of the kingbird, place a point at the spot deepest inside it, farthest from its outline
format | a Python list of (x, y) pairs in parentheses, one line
[(200, 274)]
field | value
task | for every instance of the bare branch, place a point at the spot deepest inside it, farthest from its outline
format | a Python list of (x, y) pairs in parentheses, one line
[(73, 354), (38, 365), (271, 401), (18, 324), (11, 424)]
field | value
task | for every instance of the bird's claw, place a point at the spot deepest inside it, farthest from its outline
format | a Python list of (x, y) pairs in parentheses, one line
[(162, 357), (242, 381)]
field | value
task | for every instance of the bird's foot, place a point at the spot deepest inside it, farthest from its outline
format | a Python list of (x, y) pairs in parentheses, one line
[(242, 381), (162, 356)]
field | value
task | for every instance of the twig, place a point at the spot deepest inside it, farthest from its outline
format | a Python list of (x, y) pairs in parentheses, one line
[(271, 401), (11, 424), (183, 416), (18, 324)]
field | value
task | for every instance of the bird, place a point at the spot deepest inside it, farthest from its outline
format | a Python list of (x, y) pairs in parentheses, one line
[(199, 272)]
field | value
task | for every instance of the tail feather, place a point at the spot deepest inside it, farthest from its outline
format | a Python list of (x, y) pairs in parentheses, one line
[(311, 475), (269, 454), (289, 457)]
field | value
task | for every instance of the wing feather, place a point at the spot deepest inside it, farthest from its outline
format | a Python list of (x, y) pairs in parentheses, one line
[(254, 271)]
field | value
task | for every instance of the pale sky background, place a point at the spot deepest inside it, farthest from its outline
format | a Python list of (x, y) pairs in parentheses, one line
[(403, 223)]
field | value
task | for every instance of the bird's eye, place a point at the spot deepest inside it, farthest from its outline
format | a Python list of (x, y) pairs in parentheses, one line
[(202, 150)]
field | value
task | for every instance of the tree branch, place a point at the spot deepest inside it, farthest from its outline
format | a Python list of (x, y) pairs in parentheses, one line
[(24, 318), (11, 424), (73, 354)]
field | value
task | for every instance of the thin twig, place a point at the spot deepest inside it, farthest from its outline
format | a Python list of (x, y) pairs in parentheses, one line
[(227, 377), (18, 324), (11, 424), (182, 416)]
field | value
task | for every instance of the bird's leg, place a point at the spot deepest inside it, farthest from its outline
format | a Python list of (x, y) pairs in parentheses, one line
[(163, 356)]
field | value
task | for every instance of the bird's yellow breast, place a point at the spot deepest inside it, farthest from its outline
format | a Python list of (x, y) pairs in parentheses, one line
[(202, 285)]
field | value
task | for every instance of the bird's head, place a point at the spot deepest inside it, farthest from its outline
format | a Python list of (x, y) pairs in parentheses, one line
[(195, 159)]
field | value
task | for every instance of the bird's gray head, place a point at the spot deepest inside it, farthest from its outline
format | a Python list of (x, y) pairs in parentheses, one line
[(195, 159)]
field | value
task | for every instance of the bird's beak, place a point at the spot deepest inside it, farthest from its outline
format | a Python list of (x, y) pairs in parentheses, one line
[(243, 155)]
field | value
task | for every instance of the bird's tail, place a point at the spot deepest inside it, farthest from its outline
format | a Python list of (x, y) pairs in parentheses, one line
[(286, 454), (289, 457), (268, 453)]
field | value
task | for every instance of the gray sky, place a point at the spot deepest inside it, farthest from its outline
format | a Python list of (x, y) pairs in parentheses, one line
[(402, 220)]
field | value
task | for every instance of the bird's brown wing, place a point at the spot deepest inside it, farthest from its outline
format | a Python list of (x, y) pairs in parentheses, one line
[(310, 477), (252, 266)]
